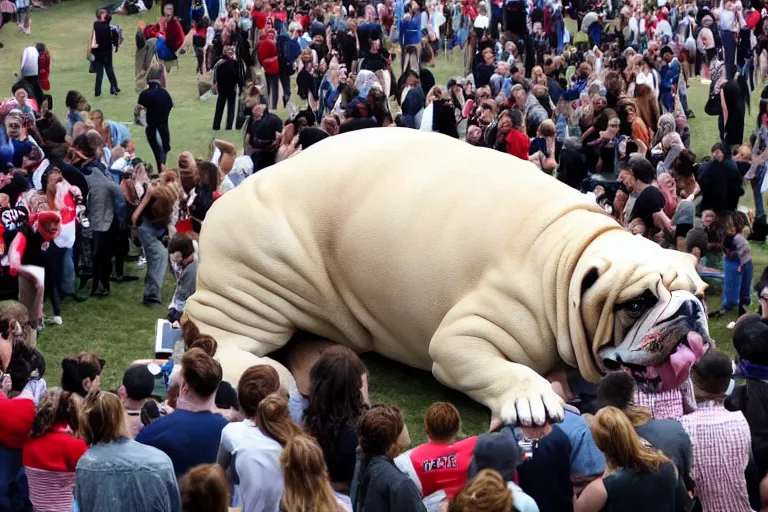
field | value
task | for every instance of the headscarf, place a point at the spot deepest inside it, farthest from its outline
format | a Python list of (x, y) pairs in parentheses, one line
[(666, 125), (675, 147)]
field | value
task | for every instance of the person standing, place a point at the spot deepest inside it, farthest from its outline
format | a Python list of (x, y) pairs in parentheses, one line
[(29, 69), (100, 53), (44, 72), (225, 81), (158, 104)]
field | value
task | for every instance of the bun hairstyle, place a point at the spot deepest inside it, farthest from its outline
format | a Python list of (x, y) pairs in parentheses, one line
[(194, 339), (487, 492), (274, 420), (85, 365)]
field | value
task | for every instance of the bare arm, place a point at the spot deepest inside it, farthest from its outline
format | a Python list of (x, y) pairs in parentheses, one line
[(594, 497), (724, 107), (143, 204)]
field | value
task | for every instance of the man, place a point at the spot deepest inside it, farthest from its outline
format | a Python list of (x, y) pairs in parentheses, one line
[(158, 105), (100, 50), (501, 80), (720, 182), (535, 114), (181, 251), (439, 467), (190, 436), (670, 75), (136, 389), (721, 439), (410, 37), (648, 211), (28, 70), (580, 83)]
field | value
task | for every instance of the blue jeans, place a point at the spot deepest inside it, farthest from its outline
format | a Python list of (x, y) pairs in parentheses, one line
[(157, 261), (737, 287)]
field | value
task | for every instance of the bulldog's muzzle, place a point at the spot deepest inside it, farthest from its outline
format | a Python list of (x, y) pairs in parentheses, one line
[(663, 344)]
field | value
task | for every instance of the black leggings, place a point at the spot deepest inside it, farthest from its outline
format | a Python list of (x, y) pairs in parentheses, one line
[(53, 262), (159, 150)]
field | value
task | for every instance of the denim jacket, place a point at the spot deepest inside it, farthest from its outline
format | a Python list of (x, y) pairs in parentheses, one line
[(126, 476)]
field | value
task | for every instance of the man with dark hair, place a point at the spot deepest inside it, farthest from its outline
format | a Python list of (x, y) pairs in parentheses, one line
[(379, 485), (181, 252), (721, 439), (136, 389), (190, 436), (669, 76), (100, 51), (648, 211), (720, 182)]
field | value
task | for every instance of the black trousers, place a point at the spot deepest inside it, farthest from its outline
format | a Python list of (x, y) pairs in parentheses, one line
[(122, 246), (37, 91), (53, 262), (103, 250), (159, 149), (103, 62), (230, 99)]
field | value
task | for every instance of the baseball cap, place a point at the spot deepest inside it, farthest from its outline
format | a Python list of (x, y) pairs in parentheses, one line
[(226, 396), (497, 451), (138, 382)]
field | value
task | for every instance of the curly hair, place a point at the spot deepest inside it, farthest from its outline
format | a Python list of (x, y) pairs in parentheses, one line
[(379, 429), (58, 407), (335, 396)]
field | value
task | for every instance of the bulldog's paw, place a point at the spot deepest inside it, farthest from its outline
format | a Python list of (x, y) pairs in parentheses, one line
[(533, 404)]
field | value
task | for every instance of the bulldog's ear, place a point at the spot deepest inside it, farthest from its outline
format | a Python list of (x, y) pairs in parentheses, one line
[(589, 279)]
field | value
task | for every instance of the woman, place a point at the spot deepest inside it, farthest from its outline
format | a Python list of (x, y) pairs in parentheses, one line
[(606, 145), (637, 478), (117, 473), (487, 492), (253, 446), (267, 52), (665, 126), (636, 127), (81, 373), (338, 393), (542, 150), (204, 489), (56, 195), (307, 488), (152, 217), (671, 147), (647, 106), (52, 451), (731, 119)]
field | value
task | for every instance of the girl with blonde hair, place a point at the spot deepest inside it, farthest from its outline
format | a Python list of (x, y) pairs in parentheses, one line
[(307, 487), (487, 492), (637, 477)]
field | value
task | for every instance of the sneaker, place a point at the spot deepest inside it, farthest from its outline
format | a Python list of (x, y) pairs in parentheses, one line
[(141, 262), (56, 320)]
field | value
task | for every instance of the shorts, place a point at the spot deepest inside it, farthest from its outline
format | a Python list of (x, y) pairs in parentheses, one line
[(22, 10)]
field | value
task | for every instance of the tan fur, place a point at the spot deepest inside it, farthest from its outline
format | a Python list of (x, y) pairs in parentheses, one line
[(431, 252)]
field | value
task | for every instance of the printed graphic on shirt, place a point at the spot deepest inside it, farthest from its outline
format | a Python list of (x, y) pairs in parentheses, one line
[(444, 462)]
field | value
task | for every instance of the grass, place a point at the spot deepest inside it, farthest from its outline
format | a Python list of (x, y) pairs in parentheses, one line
[(119, 328)]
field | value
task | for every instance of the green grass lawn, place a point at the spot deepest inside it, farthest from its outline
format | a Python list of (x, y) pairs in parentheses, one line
[(120, 328)]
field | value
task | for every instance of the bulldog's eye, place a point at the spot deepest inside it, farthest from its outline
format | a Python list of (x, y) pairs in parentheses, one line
[(639, 305)]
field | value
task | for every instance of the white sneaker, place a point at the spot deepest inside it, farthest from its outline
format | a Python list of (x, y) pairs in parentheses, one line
[(141, 262), (57, 320)]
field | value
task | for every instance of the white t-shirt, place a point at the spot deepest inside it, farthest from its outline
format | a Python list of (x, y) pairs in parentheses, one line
[(257, 463), (650, 79), (482, 21), (29, 62)]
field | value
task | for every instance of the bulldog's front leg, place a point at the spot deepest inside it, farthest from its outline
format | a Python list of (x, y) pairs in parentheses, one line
[(464, 359)]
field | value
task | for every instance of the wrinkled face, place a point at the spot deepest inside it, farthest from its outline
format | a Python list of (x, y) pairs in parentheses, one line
[(662, 335)]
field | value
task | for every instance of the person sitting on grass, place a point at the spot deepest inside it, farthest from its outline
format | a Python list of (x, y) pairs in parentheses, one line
[(183, 256), (439, 467)]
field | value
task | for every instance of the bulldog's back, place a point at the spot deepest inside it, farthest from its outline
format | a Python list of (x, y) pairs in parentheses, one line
[(369, 238)]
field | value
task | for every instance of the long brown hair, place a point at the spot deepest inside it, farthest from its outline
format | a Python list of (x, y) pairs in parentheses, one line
[(307, 487), (487, 492), (58, 407), (273, 419), (616, 437), (647, 106)]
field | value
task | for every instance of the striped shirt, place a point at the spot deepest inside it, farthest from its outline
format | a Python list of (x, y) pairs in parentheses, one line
[(721, 448), (50, 491)]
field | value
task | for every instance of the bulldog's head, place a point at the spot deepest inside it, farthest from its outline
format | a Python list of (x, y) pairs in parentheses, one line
[(641, 311)]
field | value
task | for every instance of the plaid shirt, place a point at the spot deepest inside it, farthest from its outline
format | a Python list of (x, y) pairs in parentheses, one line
[(663, 405), (721, 448)]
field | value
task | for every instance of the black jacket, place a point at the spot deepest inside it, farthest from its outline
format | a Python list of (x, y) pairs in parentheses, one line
[(102, 37), (381, 487)]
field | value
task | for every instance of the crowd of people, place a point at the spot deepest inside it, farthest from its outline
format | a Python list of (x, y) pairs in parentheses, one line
[(603, 109)]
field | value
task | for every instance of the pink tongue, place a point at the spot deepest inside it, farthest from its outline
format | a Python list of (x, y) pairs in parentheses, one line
[(696, 343), (675, 371)]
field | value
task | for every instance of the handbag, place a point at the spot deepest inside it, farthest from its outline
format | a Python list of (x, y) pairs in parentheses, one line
[(92, 67)]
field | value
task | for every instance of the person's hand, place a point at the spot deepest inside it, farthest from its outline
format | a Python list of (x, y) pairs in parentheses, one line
[(739, 269), (7, 384), (637, 227)]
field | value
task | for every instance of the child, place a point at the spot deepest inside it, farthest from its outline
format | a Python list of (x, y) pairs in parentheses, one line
[(96, 121), (738, 266)]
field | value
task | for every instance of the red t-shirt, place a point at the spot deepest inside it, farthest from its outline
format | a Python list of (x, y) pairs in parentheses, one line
[(442, 467), (16, 417), (259, 19), (518, 144), (55, 451)]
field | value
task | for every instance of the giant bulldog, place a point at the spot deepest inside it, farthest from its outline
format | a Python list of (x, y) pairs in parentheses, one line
[(442, 256)]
